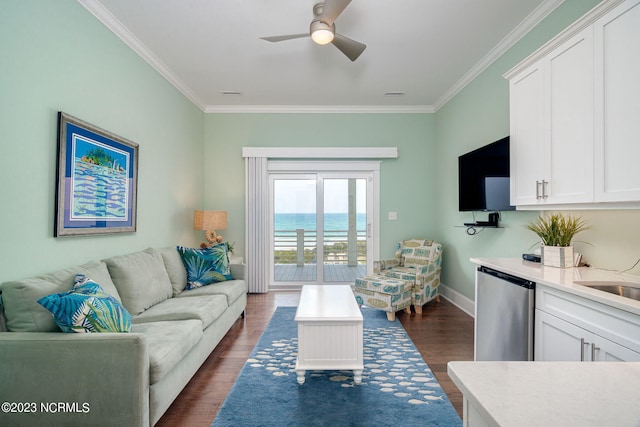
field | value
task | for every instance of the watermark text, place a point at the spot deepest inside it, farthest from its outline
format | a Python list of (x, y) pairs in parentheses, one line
[(45, 407)]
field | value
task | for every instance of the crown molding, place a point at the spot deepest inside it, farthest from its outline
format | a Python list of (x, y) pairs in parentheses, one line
[(103, 15), (354, 109), (533, 19), (583, 22)]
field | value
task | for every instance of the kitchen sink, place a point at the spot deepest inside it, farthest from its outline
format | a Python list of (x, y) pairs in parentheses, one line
[(624, 289)]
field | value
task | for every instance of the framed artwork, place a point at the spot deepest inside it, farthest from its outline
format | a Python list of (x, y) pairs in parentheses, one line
[(97, 179)]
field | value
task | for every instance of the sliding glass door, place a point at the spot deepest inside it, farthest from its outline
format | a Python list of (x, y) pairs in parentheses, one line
[(320, 227), (294, 228), (344, 241)]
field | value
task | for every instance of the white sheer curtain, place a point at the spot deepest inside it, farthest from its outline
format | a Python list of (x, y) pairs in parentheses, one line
[(257, 229)]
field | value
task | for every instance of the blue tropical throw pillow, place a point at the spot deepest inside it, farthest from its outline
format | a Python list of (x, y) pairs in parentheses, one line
[(87, 308), (205, 266)]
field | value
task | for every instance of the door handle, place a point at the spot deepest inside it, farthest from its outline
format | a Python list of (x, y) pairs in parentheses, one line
[(544, 189), (538, 190), (369, 230)]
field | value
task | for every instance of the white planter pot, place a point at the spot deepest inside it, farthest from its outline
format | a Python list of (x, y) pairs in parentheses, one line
[(557, 256)]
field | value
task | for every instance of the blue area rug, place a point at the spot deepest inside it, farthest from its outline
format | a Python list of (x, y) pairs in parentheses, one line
[(397, 388)]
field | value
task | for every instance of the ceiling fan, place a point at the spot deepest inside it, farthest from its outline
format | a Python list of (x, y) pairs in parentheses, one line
[(323, 30)]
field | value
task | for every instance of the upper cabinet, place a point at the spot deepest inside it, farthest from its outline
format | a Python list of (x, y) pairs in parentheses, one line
[(617, 102), (551, 100), (574, 108), (527, 144)]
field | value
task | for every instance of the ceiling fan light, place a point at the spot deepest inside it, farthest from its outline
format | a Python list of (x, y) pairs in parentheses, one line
[(321, 32), (322, 36)]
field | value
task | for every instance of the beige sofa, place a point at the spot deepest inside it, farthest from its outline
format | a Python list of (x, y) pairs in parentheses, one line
[(111, 379)]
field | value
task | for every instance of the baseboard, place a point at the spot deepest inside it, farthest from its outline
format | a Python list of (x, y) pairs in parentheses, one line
[(456, 298)]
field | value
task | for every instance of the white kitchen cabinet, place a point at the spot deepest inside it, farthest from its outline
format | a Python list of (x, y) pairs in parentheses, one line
[(617, 113), (603, 350), (573, 114), (571, 328), (559, 340), (568, 125), (551, 106), (527, 145), (556, 339)]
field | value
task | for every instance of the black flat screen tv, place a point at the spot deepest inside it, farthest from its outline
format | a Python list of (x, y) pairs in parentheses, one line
[(483, 178)]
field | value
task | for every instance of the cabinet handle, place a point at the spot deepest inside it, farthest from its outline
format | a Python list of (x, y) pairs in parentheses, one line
[(544, 189), (593, 352), (582, 344), (538, 190)]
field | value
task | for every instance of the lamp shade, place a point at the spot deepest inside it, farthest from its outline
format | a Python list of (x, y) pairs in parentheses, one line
[(209, 220)]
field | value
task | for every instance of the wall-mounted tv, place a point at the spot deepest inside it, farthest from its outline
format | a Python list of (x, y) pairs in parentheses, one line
[(483, 178)]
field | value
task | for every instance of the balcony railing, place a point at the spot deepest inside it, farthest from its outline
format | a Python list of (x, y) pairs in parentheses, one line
[(298, 247)]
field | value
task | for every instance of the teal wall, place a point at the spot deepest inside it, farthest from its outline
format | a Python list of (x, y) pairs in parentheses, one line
[(421, 185), (407, 184), (479, 114), (58, 57)]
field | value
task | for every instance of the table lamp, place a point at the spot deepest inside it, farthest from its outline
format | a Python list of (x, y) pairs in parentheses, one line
[(210, 221)]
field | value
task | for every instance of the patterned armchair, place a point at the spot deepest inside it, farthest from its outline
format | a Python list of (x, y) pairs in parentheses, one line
[(419, 261)]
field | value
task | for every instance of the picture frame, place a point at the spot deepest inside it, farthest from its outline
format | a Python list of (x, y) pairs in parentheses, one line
[(97, 179)]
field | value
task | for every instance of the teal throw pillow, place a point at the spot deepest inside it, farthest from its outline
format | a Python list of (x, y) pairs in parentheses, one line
[(205, 266), (87, 308)]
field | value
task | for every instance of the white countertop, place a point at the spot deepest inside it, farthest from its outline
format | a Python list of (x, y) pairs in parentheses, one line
[(565, 279), (551, 393)]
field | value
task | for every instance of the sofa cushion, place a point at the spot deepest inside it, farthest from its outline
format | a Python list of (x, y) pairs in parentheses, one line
[(175, 268), (141, 279), (168, 343), (20, 298), (232, 289), (205, 266), (87, 308), (207, 309), (98, 272)]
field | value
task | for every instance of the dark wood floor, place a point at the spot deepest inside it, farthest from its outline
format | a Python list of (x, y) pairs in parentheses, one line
[(443, 333)]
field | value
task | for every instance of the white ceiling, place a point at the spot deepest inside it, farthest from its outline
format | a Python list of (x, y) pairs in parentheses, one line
[(427, 49)]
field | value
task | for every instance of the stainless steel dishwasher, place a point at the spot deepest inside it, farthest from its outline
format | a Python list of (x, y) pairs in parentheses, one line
[(504, 316)]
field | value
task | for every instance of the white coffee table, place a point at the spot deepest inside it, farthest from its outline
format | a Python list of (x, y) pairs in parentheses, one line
[(329, 331)]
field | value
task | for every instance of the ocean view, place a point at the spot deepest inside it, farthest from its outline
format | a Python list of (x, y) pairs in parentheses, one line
[(307, 221), (335, 242)]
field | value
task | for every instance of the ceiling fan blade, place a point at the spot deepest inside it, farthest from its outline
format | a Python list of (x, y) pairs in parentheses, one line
[(351, 48), (332, 9), (283, 38)]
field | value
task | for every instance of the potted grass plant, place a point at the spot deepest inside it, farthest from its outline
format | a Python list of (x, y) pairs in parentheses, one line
[(556, 233)]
